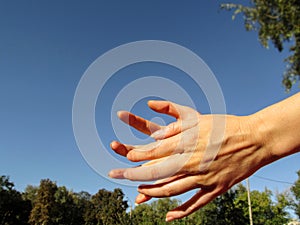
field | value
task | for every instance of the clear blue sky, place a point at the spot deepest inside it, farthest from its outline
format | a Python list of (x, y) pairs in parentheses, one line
[(46, 46)]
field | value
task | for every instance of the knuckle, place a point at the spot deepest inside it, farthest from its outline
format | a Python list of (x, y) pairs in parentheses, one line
[(168, 191), (132, 157), (128, 174), (151, 154), (172, 128), (154, 173)]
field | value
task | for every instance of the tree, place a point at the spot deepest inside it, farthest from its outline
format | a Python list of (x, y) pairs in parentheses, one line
[(281, 216), (82, 203), (296, 192), (56, 205), (264, 210), (232, 208), (223, 210), (155, 212), (143, 214), (45, 210), (30, 194), (13, 209), (276, 21), (107, 208), (68, 212)]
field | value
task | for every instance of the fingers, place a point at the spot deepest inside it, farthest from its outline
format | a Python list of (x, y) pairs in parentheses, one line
[(154, 150), (186, 118), (199, 200), (167, 131), (183, 142), (171, 166), (141, 152), (158, 149), (120, 148), (184, 115), (119, 173), (175, 128), (141, 198), (170, 187), (148, 127), (139, 123), (169, 108)]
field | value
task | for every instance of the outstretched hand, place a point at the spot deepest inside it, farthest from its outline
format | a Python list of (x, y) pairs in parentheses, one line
[(206, 152)]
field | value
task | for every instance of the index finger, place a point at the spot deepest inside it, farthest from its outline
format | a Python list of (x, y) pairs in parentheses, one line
[(139, 123)]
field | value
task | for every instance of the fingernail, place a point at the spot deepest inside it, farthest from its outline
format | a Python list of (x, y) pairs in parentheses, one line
[(169, 218), (119, 113), (114, 144), (116, 174), (151, 101), (123, 115), (110, 174)]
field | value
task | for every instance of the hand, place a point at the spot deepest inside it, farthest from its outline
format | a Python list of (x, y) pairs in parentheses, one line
[(208, 152)]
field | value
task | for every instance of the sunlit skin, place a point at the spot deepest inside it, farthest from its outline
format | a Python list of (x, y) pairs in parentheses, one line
[(210, 153)]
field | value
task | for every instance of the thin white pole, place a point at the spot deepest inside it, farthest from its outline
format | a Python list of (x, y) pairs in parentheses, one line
[(249, 202)]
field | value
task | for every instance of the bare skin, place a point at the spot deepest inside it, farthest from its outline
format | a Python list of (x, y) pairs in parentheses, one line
[(206, 152)]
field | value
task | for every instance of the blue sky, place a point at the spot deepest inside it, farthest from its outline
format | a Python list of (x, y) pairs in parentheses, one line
[(45, 48)]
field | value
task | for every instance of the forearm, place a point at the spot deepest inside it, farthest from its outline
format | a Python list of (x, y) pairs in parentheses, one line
[(279, 127)]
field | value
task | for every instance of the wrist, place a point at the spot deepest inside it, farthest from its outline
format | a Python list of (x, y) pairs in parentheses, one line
[(264, 136), (259, 139), (278, 128)]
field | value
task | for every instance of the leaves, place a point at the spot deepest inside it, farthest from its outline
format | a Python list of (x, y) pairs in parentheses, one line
[(13, 209), (57, 205), (108, 207), (54, 204), (296, 192), (278, 22)]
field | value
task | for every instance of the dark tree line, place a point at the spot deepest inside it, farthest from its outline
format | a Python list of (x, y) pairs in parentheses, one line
[(49, 204)]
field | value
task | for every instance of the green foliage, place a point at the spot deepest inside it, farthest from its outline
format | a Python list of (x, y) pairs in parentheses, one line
[(13, 209), (232, 208), (155, 212), (296, 192), (264, 210), (281, 216), (45, 208), (5, 184), (57, 205), (81, 202), (276, 21), (30, 194), (223, 210), (67, 211), (107, 208), (53, 205)]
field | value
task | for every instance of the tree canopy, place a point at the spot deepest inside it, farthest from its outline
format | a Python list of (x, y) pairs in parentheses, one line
[(13, 208), (49, 204), (296, 192), (278, 22)]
